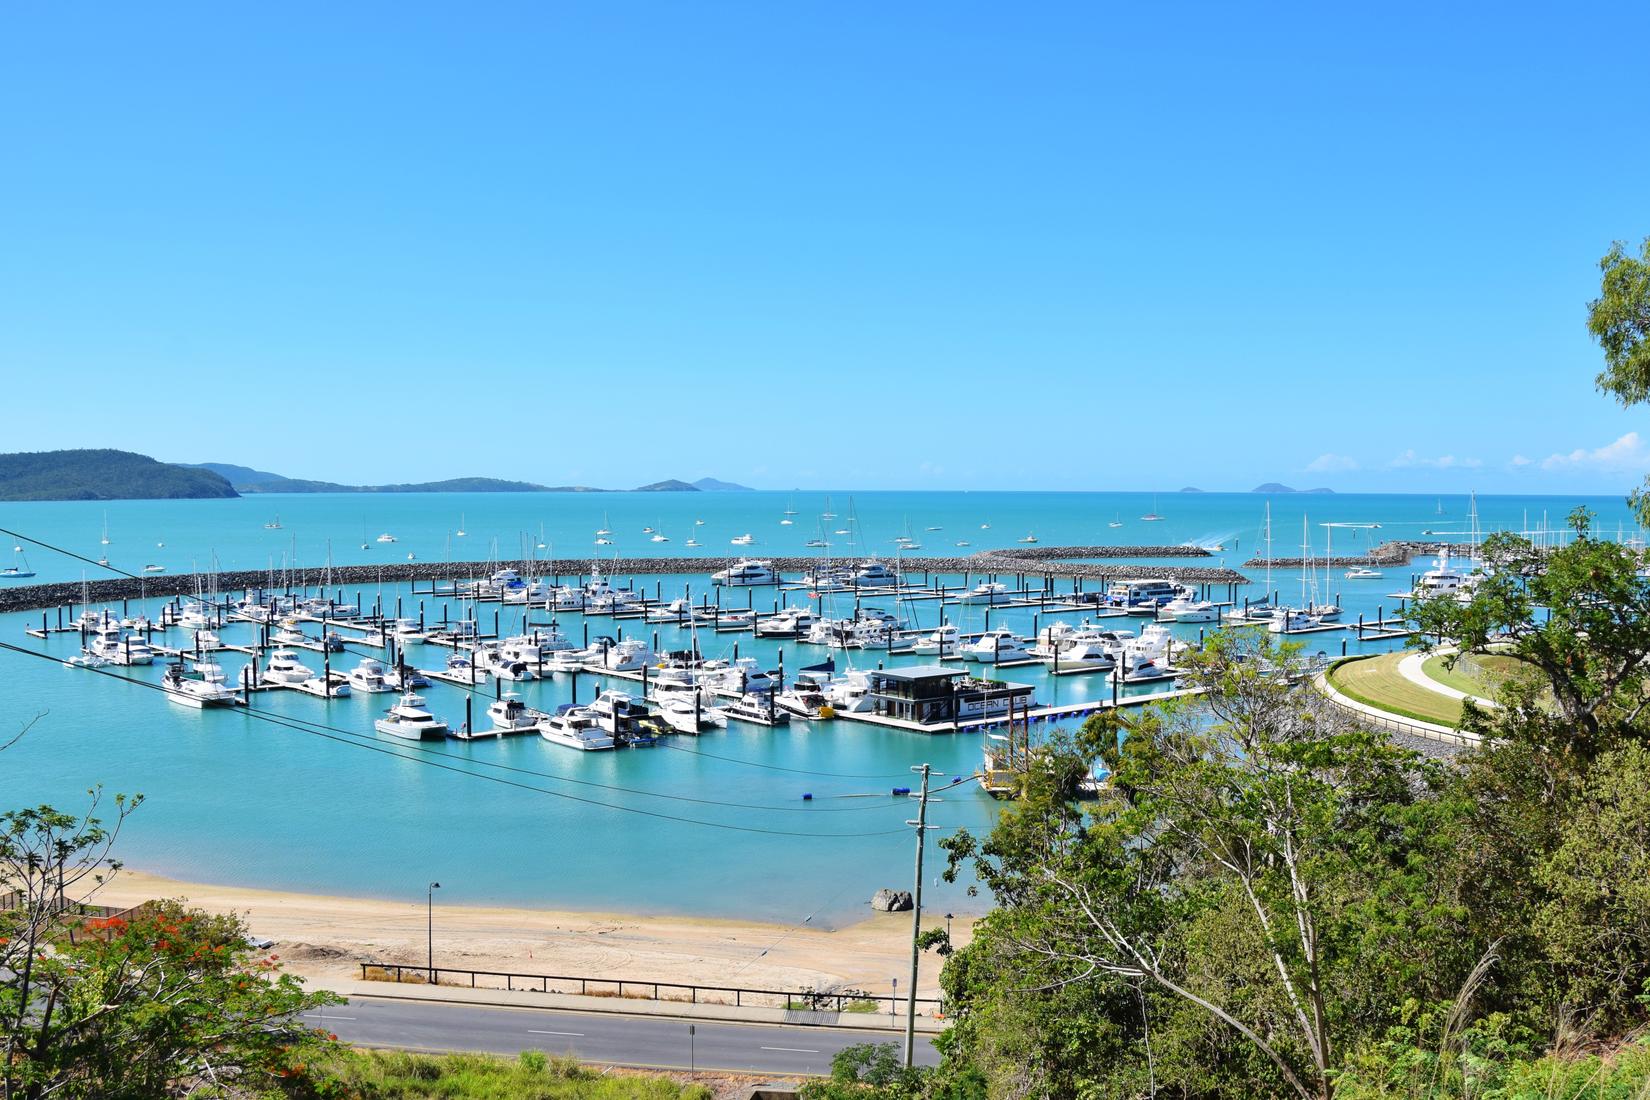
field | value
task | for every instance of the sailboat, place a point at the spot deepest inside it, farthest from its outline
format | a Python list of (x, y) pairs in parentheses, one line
[(542, 543), (1152, 516), (1289, 620), (1117, 520), (274, 524), (1259, 610), (603, 529), (460, 532), (790, 510), (105, 528), (19, 568)]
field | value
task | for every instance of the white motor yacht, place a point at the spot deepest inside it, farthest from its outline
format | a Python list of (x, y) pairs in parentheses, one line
[(386, 537), (86, 659), (206, 687), (1440, 578), (874, 574), (828, 578), (115, 644), (510, 715), (850, 693), (740, 676), (1363, 573), (742, 540), (575, 727), (688, 712), (408, 718), (368, 676), (491, 659), (745, 573), (1287, 620), (986, 592), (1185, 610), (788, 623), (681, 611), (759, 709), (1136, 665), (1090, 649), (629, 655), (996, 647), (942, 641), (285, 668), (804, 701)]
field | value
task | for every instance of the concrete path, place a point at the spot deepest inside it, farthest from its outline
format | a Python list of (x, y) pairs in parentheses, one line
[(1411, 669)]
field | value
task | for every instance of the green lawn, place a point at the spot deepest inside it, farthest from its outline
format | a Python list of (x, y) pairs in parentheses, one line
[(1479, 675), (392, 1075), (1376, 682)]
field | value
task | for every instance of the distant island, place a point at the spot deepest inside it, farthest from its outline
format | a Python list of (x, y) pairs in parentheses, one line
[(1278, 487), (712, 485), (1191, 489), (104, 475), (245, 479)]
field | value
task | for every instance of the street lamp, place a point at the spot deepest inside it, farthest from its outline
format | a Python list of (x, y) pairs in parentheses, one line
[(429, 909)]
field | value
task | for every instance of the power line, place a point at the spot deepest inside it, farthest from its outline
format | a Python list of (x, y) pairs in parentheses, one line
[(782, 768), (351, 740), (471, 690)]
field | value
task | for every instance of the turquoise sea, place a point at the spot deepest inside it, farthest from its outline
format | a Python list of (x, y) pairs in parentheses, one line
[(712, 826)]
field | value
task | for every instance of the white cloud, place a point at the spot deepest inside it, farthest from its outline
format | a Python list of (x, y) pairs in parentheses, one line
[(1626, 453), (1443, 462), (1328, 463), (1518, 462)]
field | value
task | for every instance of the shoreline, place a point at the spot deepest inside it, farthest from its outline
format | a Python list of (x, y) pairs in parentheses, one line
[(323, 938)]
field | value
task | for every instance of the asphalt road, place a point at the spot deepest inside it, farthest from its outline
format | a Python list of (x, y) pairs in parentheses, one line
[(601, 1036)]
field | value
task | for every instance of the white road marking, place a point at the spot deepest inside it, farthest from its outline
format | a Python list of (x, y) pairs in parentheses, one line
[(793, 1050), (577, 1034), (328, 1016)]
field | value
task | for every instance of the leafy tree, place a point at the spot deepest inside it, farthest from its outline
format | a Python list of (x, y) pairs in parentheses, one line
[(1596, 920), (1578, 616), (164, 1001), (1250, 896), (1619, 319)]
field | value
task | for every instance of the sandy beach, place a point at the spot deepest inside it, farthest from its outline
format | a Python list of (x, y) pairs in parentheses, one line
[(324, 939)]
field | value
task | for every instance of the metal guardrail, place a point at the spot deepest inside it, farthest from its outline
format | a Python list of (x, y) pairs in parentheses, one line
[(809, 999)]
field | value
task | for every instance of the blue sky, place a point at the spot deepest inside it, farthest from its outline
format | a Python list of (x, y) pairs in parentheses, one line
[(825, 245)]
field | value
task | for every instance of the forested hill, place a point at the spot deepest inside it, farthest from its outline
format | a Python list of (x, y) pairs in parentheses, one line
[(102, 475)]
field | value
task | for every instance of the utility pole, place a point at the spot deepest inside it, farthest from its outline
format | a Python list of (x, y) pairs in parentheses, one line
[(429, 910), (921, 824)]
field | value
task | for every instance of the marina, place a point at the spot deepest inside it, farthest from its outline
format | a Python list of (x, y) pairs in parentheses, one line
[(497, 658)]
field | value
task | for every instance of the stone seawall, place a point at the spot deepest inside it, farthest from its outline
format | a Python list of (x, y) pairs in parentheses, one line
[(1397, 552), (37, 596)]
